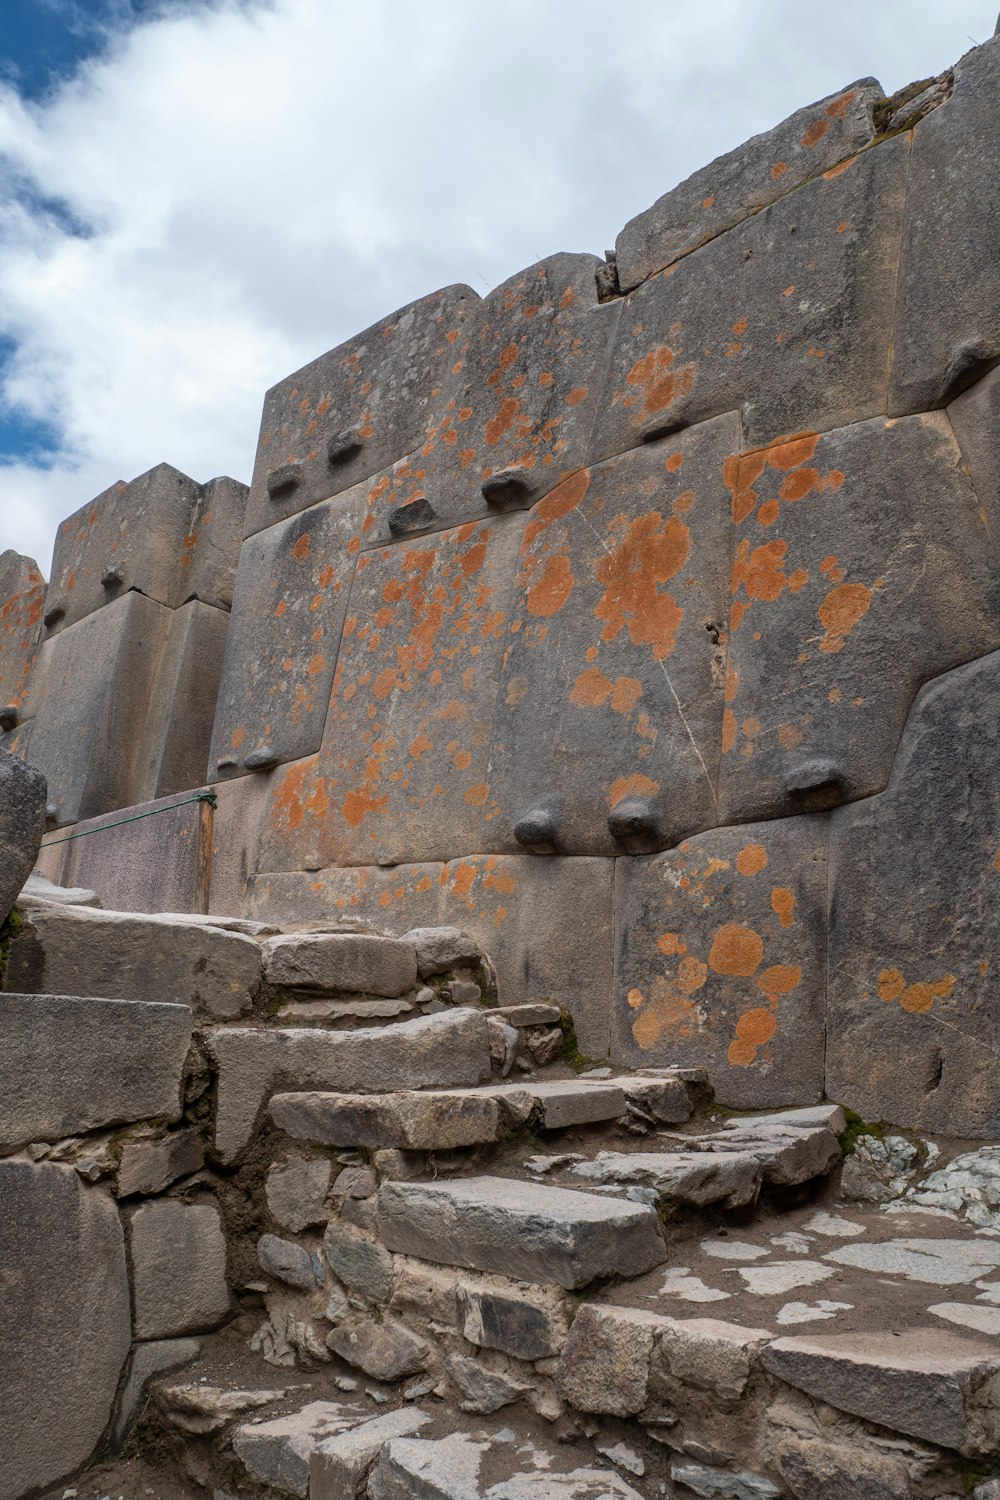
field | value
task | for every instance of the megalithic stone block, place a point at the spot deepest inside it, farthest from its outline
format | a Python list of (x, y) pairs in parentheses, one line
[(288, 612), (175, 735), (22, 604), (975, 417), (163, 535), (161, 861), (518, 420), (395, 899), (947, 328), (913, 1006), (861, 568), (609, 713), (358, 408), (88, 703), (740, 183), (22, 824), (720, 961), (403, 769), (787, 317)]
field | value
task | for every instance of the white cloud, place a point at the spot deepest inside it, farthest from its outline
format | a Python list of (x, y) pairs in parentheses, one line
[(261, 180)]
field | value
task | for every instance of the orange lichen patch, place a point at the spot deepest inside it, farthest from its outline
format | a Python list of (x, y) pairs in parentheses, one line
[(358, 804), (315, 664), (783, 903), (778, 980), (419, 746), (692, 975), (740, 327), (728, 730), (550, 591), (791, 452), (239, 735), (651, 550), (477, 794), (670, 943), (754, 1029), (916, 998), (635, 998), (577, 395), (669, 1012), (739, 476), (839, 168), (496, 428), (815, 133), (760, 573), (996, 861), (301, 549), (591, 689), (842, 226), (837, 108), (798, 484), (736, 950), (659, 385), (674, 463), (789, 736), (779, 169), (707, 202), (635, 785), (461, 760), (625, 694), (732, 684), (840, 611), (832, 569), (752, 859), (768, 513), (300, 791)]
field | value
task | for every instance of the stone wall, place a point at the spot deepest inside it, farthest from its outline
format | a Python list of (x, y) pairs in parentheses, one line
[(641, 618)]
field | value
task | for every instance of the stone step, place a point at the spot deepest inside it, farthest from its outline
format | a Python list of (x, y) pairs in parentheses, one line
[(323, 1451), (330, 963), (520, 1229), (450, 1468), (439, 1051)]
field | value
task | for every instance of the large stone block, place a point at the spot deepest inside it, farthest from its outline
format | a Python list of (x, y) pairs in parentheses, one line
[(418, 1121), (861, 568), (171, 741), (948, 300), (403, 771), (975, 417), (743, 181), (22, 824), (358, 408), (520, 1229), (125, 956), (67, 1324), (329, 962), (608, 722), (22, 603), (288, 613), (787, 317), (547, 925), (162, 535), (393, 899), (521, 409), (235, 835), (441, 1051), (178, 1256), (72, 1065), (721, 960), (158, 863), (913, 1007)]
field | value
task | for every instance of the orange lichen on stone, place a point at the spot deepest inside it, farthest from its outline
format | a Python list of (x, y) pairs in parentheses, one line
[(754, 1029), (736, 950), (659, 384), (783, 903), (840, 611), (635, 785), (917, 998), (645, 553), (752, 859)]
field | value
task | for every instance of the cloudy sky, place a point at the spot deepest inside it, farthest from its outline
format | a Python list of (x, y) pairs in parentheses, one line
[(197, 196)]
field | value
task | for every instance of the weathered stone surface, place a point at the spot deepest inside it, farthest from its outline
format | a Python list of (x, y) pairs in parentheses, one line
[(969, 1185), (172, 751), (723, 1484), (912, 1017), (278, 1452), (148, 1166), (38, 890), (439, 949), (22, 602), (721, 960), (125, 956), (160, 863), (664, 1099), (425, 1121), (576, 1484), (358, 1260), (947, 323), (286, 1261), (975, 418), (22, 824), (512, 1321), (520, 415), (389, 899), (419, 1469), (609, 713), (743, 181), (565, 1102), (202, 1409), (296, 1189), (386, 1350), (358, 408), (605, 1365), (693, 1177), (288, 613), (834, 1471), (709, 1355), (66, 1322), (931, 1384), (482, 1389), (71, 1065), (148, 1360), (879, 1169), (439, 1051), (178, 1257), (520, 1229), (161, 535), (339, 1465), (716, 332), (834, 598), (235, 837), (789, 1151), (334, 961)]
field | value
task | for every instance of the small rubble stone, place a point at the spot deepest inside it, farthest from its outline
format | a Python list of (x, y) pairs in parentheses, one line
[(386, 1350), (722, 1484), (625, 1457), (578, 1484), (398, 1166), (150, 1166), (462, 992), (504, 1041), (439, 949), (969, 1185), (296, 1189), (335, 961), (355, 1182), (709, 1355), (606, 1362), (666, 1099), (339, 1465), (528, 1015), (201, 1409), (836, 1471), (511, 1322), (359, 1261), (148, 1360), (546, 1048), (279, 1452), (482, 1390), (178, 1255), (879, 1170), (286, 1261), (423, 1469)]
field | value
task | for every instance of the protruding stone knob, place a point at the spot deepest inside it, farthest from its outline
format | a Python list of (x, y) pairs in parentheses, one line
[(343, 446), (261, 759), (113, 576), (538, 828), (815, 782), (634, 824), (509, 489), (287, 477), (9, 716), (53, 615), (415, 516)]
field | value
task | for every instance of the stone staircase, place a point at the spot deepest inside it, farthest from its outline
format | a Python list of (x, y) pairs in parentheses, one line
[(383, 1239)]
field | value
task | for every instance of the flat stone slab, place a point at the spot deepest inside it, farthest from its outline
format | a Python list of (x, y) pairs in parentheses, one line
[(339, 1465), (565, 1102), (928, 1382), (450, 1049), (177, 1252), (336, 961), (278, 1452), (132, 956), (742, 182), (520, 1229), (424, 1121), (71, 1065), (693, 1177)]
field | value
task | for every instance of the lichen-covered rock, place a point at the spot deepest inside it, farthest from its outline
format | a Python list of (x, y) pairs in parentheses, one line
[(22, 824)]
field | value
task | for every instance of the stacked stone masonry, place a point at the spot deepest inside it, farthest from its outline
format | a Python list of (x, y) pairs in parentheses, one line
[(624, 647)]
